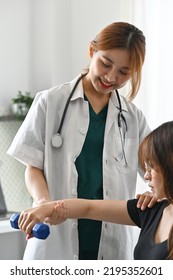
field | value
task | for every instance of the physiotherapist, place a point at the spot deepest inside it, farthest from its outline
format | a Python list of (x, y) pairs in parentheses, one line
[(81, 139)]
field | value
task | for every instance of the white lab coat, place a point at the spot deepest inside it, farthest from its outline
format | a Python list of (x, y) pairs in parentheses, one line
[(32, 145)]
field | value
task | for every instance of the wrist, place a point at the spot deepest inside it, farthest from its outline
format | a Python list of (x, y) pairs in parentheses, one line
[(42, 201), (63, 205)]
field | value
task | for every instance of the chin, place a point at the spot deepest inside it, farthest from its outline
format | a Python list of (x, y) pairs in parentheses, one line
[(158, 197)]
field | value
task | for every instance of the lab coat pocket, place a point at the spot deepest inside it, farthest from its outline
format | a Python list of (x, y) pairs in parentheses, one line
[(126, 155)]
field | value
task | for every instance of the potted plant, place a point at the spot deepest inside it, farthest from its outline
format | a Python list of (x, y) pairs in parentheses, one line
[(21, 104)]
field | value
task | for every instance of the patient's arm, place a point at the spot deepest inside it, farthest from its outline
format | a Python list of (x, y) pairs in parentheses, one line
[(114, 211)]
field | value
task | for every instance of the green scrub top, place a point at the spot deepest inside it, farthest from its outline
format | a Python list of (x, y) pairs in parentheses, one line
[(90, 182)]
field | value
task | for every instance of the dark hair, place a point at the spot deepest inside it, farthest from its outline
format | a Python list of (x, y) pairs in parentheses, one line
[(157, 151), (124, 36)]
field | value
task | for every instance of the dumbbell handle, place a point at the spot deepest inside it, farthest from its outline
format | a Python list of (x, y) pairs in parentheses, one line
[(40, 230)]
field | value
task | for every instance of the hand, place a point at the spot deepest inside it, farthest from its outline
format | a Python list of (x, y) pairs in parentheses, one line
[(59, 215), (146, 200), (32, 216)]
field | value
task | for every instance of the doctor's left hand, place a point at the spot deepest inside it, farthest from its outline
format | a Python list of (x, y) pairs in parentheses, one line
[(59, 215)]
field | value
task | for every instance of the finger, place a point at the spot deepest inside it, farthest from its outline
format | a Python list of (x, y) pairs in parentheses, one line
[(140, 198), (152, 202), (146, 202), (28, 236), (22, 218), (27, 222), (145, 199)]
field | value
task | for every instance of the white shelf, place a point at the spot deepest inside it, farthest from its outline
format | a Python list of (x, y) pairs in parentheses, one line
[(6, 227)]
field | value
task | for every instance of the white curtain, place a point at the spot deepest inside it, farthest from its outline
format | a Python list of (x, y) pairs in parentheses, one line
[(155, 18)]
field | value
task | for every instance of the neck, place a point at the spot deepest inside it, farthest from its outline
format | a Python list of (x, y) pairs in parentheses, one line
[(96, 99)]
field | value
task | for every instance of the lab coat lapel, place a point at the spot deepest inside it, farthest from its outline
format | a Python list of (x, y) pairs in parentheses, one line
[(113, 111)]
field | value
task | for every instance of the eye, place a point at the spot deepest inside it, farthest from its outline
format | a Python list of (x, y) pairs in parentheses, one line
[(124, 73), (105, 64)]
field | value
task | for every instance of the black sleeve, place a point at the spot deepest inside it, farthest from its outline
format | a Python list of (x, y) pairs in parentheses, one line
[(144, 217), (134, 212)]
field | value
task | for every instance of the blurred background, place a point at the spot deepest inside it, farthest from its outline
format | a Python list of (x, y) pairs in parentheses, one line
[(45, 42)]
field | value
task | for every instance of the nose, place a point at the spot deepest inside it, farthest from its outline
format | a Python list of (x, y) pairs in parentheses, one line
[(111, 77), (147, 175)]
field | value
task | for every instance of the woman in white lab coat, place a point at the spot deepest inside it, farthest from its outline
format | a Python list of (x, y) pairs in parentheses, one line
[(98, 156)]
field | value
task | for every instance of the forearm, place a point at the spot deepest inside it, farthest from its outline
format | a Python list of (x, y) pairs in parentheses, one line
[(77, 208), (36, 185), (89, 209), (114, 211)]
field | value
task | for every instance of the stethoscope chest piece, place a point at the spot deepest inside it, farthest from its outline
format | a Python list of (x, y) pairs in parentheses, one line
[(56, 140)]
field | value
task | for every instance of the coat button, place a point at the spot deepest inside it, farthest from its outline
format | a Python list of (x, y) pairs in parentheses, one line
[(74, 225), (106, 192), (83, 131), (74, 192)]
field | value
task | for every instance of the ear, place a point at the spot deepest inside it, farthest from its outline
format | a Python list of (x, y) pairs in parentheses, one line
[(91, 50)]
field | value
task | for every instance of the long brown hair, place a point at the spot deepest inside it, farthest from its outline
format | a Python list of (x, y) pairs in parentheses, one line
[(124, 36), (157, 151)]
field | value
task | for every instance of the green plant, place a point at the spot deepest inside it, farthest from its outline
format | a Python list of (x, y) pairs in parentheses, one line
[(23, 98), (21, 104)]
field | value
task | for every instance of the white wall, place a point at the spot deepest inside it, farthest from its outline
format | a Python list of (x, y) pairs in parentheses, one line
[(14, 49), (45, 42), (88, 18)]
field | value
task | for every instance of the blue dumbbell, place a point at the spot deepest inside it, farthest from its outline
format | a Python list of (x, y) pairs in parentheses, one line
[(40, 230)]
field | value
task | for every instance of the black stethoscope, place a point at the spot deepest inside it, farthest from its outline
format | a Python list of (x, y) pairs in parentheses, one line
[(56, 139)]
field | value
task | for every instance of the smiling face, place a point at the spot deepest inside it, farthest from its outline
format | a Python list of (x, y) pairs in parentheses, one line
[(109, 69), (155, 181)]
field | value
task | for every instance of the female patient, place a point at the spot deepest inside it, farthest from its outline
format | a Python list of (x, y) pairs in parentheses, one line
[(156, 223)]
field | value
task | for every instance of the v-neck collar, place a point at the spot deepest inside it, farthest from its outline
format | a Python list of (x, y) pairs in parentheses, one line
[(102, 113)]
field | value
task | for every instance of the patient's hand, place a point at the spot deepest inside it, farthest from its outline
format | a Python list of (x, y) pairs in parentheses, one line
[(29, 217)]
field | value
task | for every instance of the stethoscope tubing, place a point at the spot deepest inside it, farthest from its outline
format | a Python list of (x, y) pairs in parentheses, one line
[(120, 115), (68, 102), (56, 139)]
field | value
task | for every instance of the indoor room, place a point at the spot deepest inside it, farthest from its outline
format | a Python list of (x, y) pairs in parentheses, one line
[(45, 43)]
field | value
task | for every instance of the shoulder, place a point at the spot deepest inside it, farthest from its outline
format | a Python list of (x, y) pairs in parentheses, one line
[(56, 91), (131, 107), (55, 94), (132, 203), (133, 113), (140, 216)]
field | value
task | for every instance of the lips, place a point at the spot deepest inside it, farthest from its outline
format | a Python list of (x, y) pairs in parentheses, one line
[(105, 85), (152, 189)]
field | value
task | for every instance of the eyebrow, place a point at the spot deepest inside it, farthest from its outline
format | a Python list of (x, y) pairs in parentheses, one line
[(107, 58)]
